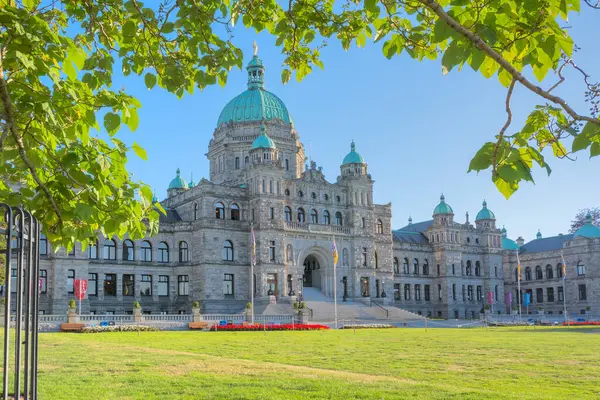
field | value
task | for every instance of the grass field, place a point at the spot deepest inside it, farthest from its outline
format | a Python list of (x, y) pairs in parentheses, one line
[(371, 364)]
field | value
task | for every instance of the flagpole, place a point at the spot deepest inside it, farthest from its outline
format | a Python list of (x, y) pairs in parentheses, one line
[(335, 287), (564, 278), (252, 258), (519, 284)]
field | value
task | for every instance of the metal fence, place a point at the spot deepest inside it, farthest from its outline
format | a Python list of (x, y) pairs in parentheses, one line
[(20, 231)]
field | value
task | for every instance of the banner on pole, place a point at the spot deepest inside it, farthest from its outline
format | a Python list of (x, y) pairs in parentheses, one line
[(526, 299), (509, 298), (80, 288), (490, 298)]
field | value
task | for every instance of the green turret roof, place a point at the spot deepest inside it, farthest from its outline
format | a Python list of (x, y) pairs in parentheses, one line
[(538, 235), (588, 230), (443, 208), (353, 157), (263, 141), (508, 244), (485, 213), (178, 182)]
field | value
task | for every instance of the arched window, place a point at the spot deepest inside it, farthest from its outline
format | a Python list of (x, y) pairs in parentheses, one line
[(290, 253), (287, 164), (128, 250), (246, 161), (379, 226), (183, 252), (93, 250), (235, 212), (538, 273), (426, 267), (237, 163), (146, 251), (43, 245), (580, 269), (287, 213), (549, 272), (195, 211), (496, 293), (163, 252), (338, 219), (300, 216), (220, 211), (416, 266), (468, 270), (396, 266), (376, 260), (559, 270), (287, 192), (345, 257), (528, 274), (227, 253), (109, 250), (477, 268), (405, 266), (314, 217), (326, 217)]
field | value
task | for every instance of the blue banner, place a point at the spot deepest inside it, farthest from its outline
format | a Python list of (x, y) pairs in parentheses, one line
[(526, 299)]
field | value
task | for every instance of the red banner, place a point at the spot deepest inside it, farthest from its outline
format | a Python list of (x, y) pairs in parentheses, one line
[(490, 298), (80, 288)]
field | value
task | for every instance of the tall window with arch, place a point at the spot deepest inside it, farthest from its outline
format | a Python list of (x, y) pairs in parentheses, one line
[(376, 260), (468, 270), (345, 261), (183, 252), (549, 272), (425, 267), (163, 252), (246, 161), (379, 226), (128, 250), (559, 270), (289, 253), (235, 212), (227, 252), (219, 211), (416, 266), (43, 245), (528, 273), (109, 250), (300, 216), (93, 250), (580, 268), (314, 216), (396, 266), (326, 217), (477, 268), (146, 251), (405, 266), (287, 213), (338, 219), (287, 164), (237, 163), (538, 273)]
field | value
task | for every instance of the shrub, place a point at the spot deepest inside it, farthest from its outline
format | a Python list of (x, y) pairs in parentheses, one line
[(248, 306), (196, 304), (303, 304), (72, 304), (295, 305), (486, 307), (582, 323), (269, 327), (118, 328), (136, 305)]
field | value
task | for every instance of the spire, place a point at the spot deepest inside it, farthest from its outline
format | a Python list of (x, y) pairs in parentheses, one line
[(256, 71), (352, 146), (178, 172), (588, 218), (191, 184), (154, 198), (409, 220), (504, 233), (484, 204), (466, 216)]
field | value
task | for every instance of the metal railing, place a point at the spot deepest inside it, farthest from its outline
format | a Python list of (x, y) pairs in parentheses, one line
[(274, 318), (387, 313), (168, 318)]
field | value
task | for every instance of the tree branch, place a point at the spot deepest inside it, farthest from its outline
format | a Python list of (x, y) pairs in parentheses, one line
[(506, 125), (483, 46)]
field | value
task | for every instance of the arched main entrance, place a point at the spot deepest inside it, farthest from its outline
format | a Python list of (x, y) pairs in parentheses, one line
[(312, 272)]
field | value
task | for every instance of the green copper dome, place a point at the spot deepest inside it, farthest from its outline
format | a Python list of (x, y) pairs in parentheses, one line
[(508, 244), (588, 230), (538, 235), (178, 182), (263, 141), (443, 208), (256, 103), (485, 213), (353, 157)]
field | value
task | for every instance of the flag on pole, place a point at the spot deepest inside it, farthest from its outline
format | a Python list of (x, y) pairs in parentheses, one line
[(518, 267), (564, 266), (253, 247), (335, 253)]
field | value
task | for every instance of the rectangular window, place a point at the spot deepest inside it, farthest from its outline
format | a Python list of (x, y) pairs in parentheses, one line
[(183, 285), (582, 292), (272, 250), (561, 294), (364, 256), (70, 281), (417, 292), (464, 293), (479, 293), (453, 270), (539, 295), (163, 285), (43, 281), (438, 270), (92, 284), (110, 284), (228, 285), (470, 292), (550, 295), (406, 291), (146, 285), (271, 213), (397, 291), (581, 270), (93, 251), (454, 291), (253, 214), (426, 293), (128, 285), (439, 292), (496, 271), (13, 280), (271, 284)]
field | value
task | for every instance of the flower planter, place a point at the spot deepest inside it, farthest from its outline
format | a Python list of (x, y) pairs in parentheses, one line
[(196, 314), (269, 327), (137, 315), (72, 317)]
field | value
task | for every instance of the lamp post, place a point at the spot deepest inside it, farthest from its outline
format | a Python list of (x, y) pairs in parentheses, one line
[(344, 282)]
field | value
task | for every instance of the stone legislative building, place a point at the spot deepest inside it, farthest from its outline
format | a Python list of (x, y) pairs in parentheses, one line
[(259, 178)]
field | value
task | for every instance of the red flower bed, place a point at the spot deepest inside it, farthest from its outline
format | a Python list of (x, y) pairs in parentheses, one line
[(269, 327), (582, 323)]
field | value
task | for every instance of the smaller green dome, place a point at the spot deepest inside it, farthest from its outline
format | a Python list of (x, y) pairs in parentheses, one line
[(588, 230), (192, 183), (443, 208), (353, 157), (503, 232), (485, 213), (509, 244), (263, 141), (178, 182), (538, 235)]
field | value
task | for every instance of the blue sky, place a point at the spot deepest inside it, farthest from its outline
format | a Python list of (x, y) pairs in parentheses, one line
[(416, 128)]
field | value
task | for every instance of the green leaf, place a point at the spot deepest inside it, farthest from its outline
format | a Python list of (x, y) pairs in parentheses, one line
[(453, 56), (484, 157), (595, 149), (285, 76), (476, 59), (24, 59), (84, 211), (441, 31), (112, 122), (506, 188), (150, 80), (558, 149), (133, 120), (140, 152), (167, 27)]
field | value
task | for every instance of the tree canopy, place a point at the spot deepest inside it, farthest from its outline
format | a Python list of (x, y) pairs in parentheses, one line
[(58, 58), (581, 217)]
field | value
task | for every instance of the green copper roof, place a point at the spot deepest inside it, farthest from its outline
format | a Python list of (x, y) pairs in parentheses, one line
[(588, 230), (485, 213), (443, 208), (508, 244), (263, 141), (538, 235), (353, 157), (178, 182), (256, 103)]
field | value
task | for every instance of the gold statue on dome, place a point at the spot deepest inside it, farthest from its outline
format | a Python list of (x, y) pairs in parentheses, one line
[(255, 47)]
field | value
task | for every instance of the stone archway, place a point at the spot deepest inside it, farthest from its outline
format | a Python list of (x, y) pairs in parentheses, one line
[(312, 272), (316, 262)]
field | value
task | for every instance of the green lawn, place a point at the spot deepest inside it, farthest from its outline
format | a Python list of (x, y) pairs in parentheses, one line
[(499, 363)]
